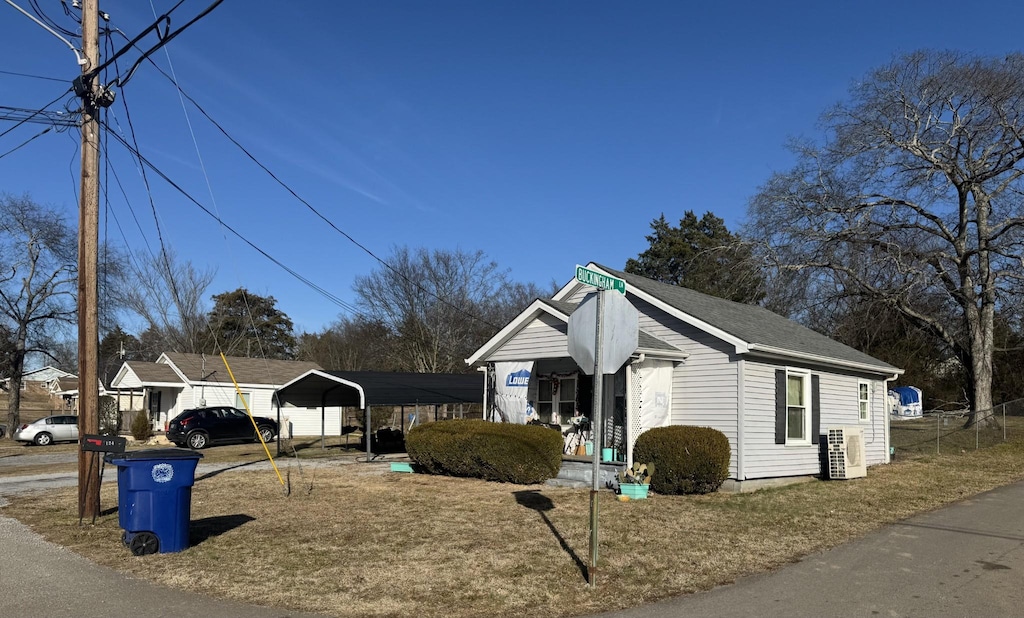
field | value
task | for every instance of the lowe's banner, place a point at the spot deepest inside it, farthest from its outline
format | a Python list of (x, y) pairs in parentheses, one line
[(511, 391)]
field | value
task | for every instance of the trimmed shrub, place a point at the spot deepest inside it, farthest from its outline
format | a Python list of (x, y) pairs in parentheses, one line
[(141, 428), (503, 452), (687, 460)]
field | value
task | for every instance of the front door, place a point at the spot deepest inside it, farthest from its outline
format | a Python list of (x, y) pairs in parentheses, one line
[(556, 399)]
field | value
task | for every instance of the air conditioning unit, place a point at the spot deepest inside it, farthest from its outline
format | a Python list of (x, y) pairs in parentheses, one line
[(846, 453)]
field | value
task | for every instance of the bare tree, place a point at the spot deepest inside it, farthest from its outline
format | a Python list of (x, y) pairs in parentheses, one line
[(38, 274), (350, 344), (438, 305), (169, 296), (915, 192)]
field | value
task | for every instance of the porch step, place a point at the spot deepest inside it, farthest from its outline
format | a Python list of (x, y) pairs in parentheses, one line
[(577, 472)]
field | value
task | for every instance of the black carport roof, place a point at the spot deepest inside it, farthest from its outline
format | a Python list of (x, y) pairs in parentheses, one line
[(359, 389)]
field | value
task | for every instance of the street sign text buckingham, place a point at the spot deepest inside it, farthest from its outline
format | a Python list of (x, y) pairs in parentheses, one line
[(600, 280)]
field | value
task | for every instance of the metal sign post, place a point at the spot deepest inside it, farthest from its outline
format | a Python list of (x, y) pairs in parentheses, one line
[(614, 321), (597, 437)]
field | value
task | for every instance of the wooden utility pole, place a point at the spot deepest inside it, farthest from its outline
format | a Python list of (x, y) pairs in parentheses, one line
[(88, 252)]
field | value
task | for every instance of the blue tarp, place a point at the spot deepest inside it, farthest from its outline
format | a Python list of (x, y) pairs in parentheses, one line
[(908, 394), (905, 402)]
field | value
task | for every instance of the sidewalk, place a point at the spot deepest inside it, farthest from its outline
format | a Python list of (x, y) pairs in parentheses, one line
[(43, 580), (963, 560)]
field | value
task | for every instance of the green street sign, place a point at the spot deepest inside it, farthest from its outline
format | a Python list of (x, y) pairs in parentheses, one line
[(599, 280)]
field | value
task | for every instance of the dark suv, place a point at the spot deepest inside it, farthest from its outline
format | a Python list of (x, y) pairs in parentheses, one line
[(202, 427)]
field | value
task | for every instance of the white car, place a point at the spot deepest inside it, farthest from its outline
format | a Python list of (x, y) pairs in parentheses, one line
[(61, 428)]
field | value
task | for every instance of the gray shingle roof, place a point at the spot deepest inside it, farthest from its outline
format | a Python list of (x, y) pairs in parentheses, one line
[(645, 341), (749, 323), (149, 373), (245, 370)]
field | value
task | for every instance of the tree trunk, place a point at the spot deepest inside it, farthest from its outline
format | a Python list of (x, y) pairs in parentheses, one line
[(981, 368), (14, 394)]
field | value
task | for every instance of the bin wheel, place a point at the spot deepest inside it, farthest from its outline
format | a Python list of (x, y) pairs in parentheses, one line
[(144, 543)]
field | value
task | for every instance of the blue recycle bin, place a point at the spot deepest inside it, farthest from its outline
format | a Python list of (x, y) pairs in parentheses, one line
[(154, 498)]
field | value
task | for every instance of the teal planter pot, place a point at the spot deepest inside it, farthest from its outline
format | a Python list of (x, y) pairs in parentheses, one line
[(634, 491), (401, 466), (609, 454)]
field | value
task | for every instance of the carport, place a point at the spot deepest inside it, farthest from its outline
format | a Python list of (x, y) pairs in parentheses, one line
[(365, 389)]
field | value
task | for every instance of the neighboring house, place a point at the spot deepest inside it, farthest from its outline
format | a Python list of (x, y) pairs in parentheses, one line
[(772, 386), (177, 382), (41, 378), (64, 394)]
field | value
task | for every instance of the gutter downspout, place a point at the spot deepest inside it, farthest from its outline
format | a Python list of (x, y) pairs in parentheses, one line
[(888, 416), (741, 383), (484, 370)]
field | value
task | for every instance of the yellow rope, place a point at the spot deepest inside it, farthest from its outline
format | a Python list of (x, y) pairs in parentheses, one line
[(253, 421)]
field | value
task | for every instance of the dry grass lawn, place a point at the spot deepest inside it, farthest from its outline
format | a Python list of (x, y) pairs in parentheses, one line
[(357, 540)]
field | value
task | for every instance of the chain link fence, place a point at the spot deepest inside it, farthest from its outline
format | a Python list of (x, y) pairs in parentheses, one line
[(939, 432)]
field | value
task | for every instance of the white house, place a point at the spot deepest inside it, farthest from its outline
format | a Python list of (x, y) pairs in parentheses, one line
[(41, 378), (178, 382), (772, 386)]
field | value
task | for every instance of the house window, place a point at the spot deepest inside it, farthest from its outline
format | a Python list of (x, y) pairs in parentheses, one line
[(864, 400), (241, 399), (798, 409), (556, 400)]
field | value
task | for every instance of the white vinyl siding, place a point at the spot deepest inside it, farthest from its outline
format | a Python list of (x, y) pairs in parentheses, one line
[(704, 387), (307, 421), (840, 406), (543, 337)]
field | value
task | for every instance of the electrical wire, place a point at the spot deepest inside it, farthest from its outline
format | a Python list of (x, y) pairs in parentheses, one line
[(306, 203), (316, 212), (320, 290), (32, 115), (16, 74), (163, 39), (50, 21), (24, 143), (81, 60)]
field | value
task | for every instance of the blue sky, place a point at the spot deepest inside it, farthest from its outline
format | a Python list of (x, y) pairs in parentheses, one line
[(545, 133)]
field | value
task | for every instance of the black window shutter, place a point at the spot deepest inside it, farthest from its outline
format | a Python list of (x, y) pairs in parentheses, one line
[(780, 406), (815, 409)]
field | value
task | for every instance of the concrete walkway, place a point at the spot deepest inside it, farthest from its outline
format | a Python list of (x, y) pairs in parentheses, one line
[(963, 560)]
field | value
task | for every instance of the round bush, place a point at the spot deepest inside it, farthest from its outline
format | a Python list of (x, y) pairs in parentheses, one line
[(523, 454), (687, 460)]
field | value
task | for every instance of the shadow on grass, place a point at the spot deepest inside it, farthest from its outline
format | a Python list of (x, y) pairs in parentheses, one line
[(536, 501), (209, 527), (234, 467)]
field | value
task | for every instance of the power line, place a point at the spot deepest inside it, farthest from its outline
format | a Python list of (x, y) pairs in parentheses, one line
[(289, 189), (322, 291), (313, 209), (24, 143), (32, 115), (163, 39), (52, 79)]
